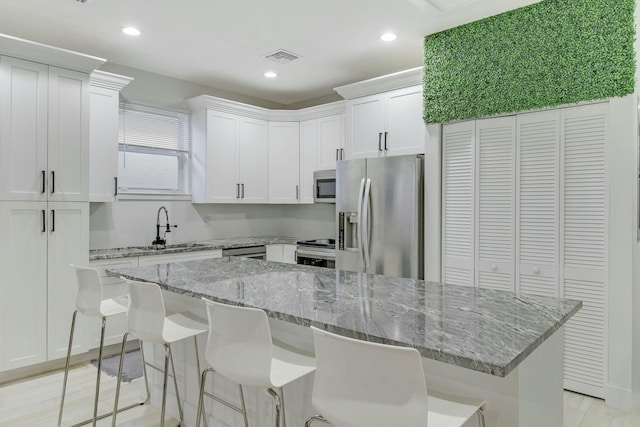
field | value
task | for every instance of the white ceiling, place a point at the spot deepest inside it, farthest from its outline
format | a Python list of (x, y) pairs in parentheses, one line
[(222, 43)]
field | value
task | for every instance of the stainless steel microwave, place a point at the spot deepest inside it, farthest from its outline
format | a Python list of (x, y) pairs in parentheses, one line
[(324, 186)]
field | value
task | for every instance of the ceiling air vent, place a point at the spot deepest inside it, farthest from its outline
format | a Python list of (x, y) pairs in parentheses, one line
[(282, 56)]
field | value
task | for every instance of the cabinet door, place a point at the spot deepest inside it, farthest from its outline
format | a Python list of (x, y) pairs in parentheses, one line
[(365, 121), (103, 144), (23, 289), (289, 254), (308, 156), (68, 230), (495, 207), (584, 237), (330, 141), (68, 135), (23, 129), (275, 252), (404, 130), (538, 210), (457, 204), (253, 164), (222, 158), (284, 162)]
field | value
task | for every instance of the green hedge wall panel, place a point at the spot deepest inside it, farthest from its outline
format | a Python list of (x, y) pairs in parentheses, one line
[(551, 53)]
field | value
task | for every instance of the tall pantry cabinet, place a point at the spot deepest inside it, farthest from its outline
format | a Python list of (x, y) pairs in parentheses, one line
[(44, 209), (525, 205)]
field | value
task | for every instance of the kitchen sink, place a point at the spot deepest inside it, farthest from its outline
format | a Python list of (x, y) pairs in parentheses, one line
[(175, 247)]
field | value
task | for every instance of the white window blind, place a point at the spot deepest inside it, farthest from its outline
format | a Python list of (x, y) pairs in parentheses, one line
[(154, 150)]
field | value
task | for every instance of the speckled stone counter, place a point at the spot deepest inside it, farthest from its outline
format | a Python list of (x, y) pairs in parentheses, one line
[(484, 330), (236, 242)]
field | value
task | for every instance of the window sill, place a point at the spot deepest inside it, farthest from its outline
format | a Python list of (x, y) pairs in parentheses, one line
[(151, 196)]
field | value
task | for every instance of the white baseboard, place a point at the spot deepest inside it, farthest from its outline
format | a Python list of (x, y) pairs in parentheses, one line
[(619, 398)]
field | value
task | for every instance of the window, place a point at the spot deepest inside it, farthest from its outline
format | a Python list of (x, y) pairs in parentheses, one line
[(153, 153)]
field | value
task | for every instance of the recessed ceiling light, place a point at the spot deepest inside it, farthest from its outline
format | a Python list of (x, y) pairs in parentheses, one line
[(388, 37), (131, 31), (270, 74)]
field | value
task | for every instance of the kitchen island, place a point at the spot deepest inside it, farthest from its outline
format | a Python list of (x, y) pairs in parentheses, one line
[(503, 347)]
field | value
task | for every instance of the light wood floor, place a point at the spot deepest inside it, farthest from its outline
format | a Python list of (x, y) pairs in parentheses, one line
[(34, 402)]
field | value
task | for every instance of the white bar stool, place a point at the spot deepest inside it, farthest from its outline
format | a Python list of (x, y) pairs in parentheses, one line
[(361, 384), (147, 320), (240, 348), (90, 302)]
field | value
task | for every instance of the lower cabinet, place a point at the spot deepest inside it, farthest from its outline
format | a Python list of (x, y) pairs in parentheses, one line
[(37, 287), (282, 253)]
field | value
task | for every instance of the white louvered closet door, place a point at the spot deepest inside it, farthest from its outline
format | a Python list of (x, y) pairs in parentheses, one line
[(458, 203), (584, 245), (495, 207), (538, 186)]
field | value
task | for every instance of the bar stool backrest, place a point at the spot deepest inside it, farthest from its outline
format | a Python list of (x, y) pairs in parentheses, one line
[(146, 313), (359, 383), (89, 295), (239, 345)]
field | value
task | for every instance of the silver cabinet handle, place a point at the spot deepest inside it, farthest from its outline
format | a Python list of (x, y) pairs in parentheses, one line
[(237, 190), (380, 141), (53, 220), (44, 182), (115, 185), (44, 221), (342, 154), (337, 154), (53, 182), (385, 141), (297, 192), (242, 190)]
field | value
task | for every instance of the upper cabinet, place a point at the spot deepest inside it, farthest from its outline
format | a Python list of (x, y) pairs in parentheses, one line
[(330, 142), (284, 162), (229, 155), (384, 115), (44, 132), (103, 135)]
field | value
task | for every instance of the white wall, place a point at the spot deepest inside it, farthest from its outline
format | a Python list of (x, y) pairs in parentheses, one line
[(133, 223)]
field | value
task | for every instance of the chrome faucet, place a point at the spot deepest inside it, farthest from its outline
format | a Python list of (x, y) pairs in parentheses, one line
[(160, 243)]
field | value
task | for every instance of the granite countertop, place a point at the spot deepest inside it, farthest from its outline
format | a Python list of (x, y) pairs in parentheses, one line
[(237, 242), (481, 329)]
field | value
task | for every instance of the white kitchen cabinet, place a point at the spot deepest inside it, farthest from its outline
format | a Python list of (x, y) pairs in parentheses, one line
[(39, 288), (282, 253), (23, 275), (330, 141), (68, 229), (44, 132), (229, 158), (103, 135), (308, 158), (386, 124), (253, 151), (284, 162), (495, 207)]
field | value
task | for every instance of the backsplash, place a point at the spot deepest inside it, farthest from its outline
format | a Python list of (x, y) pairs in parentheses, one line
[(133, 223)]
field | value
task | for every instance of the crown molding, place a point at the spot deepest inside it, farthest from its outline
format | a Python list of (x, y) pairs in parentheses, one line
[(246, 110), (399, 80), (108, 80), (50, 55)]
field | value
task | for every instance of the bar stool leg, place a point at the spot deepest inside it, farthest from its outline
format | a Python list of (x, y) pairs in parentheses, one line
[(276, 399), (144, 372), (164, 384), (95, 403), (244, 407), (315, 418), (195, 343), (175, 384), (66, 368), (119, 380)]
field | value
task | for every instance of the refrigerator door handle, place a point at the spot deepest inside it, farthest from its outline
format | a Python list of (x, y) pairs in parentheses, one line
[(359, 224), (364, 226)]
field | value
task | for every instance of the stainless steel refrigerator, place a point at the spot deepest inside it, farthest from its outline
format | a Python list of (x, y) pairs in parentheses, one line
[(379, 216)]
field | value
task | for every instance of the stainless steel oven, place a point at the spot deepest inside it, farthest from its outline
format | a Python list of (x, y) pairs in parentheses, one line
[(257, 252), (319, 253)]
